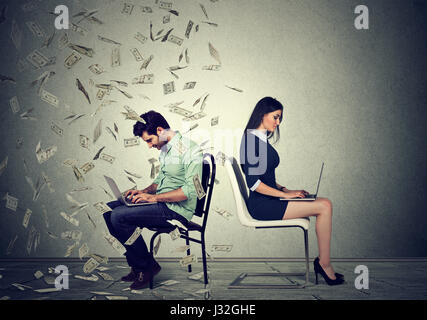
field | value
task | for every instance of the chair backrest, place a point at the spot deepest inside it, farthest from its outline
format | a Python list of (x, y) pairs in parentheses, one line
[(207, 181), (240, 191)]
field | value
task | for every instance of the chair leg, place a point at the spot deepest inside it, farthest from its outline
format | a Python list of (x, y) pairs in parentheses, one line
[(307, 262), (187, 242), (205, 271), (151, 253)]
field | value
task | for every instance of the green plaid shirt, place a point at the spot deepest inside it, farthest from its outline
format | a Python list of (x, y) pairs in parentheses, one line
[(180, 160)]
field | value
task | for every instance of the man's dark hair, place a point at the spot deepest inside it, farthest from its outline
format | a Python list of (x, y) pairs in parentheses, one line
[(153, 120)]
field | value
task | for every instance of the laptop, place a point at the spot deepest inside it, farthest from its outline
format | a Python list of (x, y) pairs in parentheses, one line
[(309, 197), (121, 196)]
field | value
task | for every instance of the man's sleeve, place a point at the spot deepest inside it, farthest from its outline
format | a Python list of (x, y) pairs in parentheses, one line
[(193, 162), (159, 178)]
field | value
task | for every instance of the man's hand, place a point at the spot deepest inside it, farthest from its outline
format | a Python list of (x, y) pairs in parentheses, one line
[(130, 193), (144, 197)]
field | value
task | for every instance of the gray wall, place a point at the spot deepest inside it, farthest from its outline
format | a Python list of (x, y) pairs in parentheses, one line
[(353, 99)]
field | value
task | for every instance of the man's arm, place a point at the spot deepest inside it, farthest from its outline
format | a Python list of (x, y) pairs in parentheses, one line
[(171, 196), (151, 189)]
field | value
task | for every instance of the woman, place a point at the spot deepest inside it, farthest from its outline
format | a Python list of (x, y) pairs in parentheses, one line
[(259, 161)]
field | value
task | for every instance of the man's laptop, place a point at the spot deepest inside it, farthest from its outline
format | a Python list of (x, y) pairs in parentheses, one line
[(125, 200), (309, 197)]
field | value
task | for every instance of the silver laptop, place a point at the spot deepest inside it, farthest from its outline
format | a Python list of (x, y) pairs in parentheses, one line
[(309, 197), (121, 196)]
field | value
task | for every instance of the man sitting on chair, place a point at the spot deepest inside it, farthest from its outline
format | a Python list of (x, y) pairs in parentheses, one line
[(173, 192)]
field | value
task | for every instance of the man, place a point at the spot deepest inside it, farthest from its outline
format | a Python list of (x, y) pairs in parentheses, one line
[(172, 192)]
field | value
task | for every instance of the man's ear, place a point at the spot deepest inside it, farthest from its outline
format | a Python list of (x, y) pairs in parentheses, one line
[(161, 133)]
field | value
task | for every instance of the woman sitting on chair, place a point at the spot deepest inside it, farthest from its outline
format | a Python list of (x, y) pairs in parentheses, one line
[(259, 161)]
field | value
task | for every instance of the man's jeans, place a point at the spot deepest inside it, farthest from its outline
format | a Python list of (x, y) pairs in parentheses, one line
[(122, 222)]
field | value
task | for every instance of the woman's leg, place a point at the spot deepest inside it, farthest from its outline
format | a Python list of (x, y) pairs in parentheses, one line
[(322, 209)]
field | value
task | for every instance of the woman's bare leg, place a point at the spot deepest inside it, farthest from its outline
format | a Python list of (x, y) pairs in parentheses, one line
[(322, 209)]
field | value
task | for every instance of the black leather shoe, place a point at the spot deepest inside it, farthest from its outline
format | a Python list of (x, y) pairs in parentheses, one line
[(318, 269), (131, 277)]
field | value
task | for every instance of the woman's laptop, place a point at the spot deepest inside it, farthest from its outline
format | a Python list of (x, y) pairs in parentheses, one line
[(309, 197), (121, 196)]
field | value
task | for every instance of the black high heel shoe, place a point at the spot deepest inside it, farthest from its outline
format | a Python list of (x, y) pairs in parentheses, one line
[(318, 269)]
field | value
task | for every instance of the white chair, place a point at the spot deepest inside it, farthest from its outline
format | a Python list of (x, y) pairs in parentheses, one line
[(240, 193)]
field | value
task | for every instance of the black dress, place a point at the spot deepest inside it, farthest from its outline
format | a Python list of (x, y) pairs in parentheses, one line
[(259, 161)]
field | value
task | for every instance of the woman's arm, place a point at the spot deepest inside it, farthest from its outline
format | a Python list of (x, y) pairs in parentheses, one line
[(269, 191), (281, 188)]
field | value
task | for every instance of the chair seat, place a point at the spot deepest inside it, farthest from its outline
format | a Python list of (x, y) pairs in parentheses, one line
[(300, 222), (191, 226)]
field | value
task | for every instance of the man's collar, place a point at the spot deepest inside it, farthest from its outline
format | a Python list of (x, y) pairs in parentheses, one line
[(172, 141)]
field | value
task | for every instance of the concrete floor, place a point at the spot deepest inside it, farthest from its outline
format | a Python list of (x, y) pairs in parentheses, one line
[(388, 280)]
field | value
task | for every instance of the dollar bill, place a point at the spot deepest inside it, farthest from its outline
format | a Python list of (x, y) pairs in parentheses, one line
[(96, 69), (92, 277), (87, 167), (3, 165), (222, 247), (98, 131), (36, 29), (188, 30), (71, 220), (49, 98), (195, 116), (90, 265), (74, 235), (81, 88), (82, 31), (82, 50), (83, 250), (115, 57), (189, 85), (16, 35), (140, 37), (98, 153), (126, 94), (30, 240), (99, 258), (72, 59), (78, 174), (84, 141), (212, 67), (101, 207), (165, 5), (146, 10), (166, 18), (112, 133), (127, 8), (235, 89), (224, 213), (55, 128), (210, 23), (11, 245), (130, 142), (44, 155), (134, 236), (14, 104), (100, 94), (63, 41), (176, 40), (214, 121), (136, 54), (37, 59), (185, 261), (157, 245), (180, 111), (175, 234), (106, 276), (146, 62), (109, 40), (115, 244), (26, 219), (107, 158), (168, 87), (38, 274), (199, 189), (144, 79)]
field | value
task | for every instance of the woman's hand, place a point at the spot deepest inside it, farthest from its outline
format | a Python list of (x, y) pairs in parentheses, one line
[(144, 197), (295, 194)]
